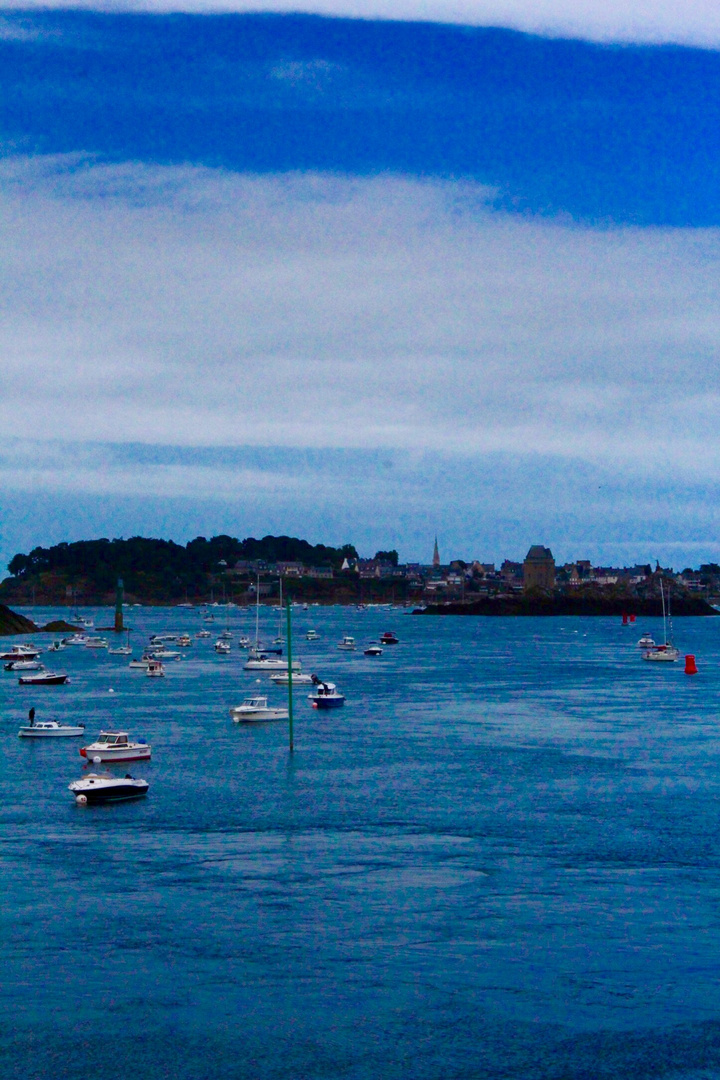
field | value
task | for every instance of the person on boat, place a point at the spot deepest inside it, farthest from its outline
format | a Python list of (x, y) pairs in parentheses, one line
[(31, 717)]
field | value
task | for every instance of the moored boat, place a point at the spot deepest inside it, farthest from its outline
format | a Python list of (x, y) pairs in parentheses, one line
[(282, 678), (96, 788), (262, 662), (20, 652), (43, 678), (48, 729), (347, 643), (155, 669), (254, 709), (388, 638), (325, 695), (373, 650), (115, 746)]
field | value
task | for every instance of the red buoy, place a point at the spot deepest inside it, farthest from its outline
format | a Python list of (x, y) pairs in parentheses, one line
[(632, 618), (625, 618), (690, 665)]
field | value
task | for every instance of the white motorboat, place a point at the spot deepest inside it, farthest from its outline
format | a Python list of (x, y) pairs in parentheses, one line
[(325, 695), (155, 669), (102, 788), (184, 641), (646, 642), (347, 643), (76, 639), (89, 624), (140, 665), (20, 652), (163, 654), (261, 662), (43, 678), (222, 647), (373, 650), (48, 729), (203, 634), (96, 643), (115, 746), (226, 635), (56, 646), (282, 678), (244, 642), (255, 709), (24, 665), (312, 635)]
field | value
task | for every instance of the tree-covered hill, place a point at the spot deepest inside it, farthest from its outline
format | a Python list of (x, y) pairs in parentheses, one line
[(151, 569)]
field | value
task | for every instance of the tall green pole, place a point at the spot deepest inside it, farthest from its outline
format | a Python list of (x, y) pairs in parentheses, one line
[(290, 697)]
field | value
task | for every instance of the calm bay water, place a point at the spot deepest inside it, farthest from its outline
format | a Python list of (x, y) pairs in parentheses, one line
[(500, 859)]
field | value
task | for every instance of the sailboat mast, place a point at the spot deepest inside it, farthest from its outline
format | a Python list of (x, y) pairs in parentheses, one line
[(257, 612)]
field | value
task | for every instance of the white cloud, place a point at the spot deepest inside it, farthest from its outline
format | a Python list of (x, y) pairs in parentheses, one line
[(188, 307), (695, 22)]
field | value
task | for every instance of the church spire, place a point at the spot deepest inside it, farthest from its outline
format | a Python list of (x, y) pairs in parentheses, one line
[(436, 554)]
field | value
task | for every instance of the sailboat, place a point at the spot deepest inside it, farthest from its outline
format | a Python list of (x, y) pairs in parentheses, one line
[(666, 653), (122, 650)]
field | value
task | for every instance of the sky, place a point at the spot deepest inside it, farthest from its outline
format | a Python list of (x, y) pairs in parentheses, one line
[(357, 275)]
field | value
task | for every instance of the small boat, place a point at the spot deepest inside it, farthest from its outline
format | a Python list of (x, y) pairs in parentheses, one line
[(347, 643), (76, 639), (122, 650), (89, 624), (226, 635), (97, 788), (155, 669), (282, 678), (43, 678), (261, 662), (222, 647), (373, 650), (115, 746), (184, 641), (388, 638), (140, 665), (96, 643), (56, 646), (664, 653), (325, 695), (163, 654), (244, 642), (48, 729), (161, 639), (312, 635), (646, 642), (203, 634), (20, 652), (256, 708), (24, 665)]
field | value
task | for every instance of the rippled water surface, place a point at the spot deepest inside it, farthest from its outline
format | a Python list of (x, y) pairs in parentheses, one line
[(500, 859)]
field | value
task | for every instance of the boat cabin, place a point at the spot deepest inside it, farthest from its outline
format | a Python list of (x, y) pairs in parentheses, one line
[(112, 738)]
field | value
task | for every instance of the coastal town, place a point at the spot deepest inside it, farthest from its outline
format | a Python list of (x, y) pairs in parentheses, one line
[(156, 571)]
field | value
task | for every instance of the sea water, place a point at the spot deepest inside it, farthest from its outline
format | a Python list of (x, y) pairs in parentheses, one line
[(501, 858)]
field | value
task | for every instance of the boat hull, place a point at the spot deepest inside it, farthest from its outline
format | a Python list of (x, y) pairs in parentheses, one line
[(327, 702), (125, 753), (52, 733), (98, 792), (34, 680), (258, 716)]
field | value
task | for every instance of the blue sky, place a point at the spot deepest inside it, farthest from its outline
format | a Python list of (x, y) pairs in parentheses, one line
[(362, 279)]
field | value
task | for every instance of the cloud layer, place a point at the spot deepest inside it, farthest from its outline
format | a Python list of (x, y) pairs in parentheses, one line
[(695, 22), (184, 306)]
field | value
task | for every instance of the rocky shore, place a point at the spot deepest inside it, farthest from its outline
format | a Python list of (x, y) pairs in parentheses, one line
[(571, 604)]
